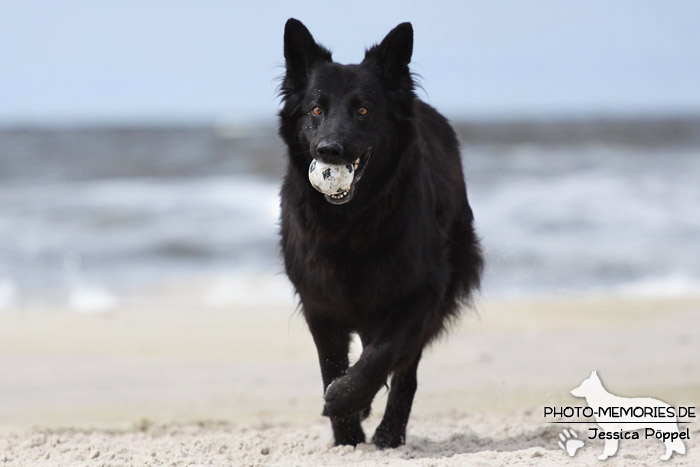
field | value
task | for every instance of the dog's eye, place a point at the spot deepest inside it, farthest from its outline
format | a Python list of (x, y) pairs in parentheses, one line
[(362, 111), (317, 110)]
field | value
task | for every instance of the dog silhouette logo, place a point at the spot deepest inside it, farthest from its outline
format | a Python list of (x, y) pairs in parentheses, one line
[(623, 418)]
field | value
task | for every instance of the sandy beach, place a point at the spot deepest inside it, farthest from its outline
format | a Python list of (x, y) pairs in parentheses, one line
[(167, 381), (146, 318)]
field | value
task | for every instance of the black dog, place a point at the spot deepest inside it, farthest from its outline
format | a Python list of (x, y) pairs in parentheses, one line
[(393, 257)]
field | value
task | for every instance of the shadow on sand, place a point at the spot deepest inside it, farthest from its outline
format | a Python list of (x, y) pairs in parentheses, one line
[(466, 443)]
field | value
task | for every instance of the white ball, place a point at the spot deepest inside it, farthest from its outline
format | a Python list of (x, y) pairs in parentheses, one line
[(330, 179)]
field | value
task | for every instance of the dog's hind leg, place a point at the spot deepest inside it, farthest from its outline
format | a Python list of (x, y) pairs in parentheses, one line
[(391, 432), (333, 344), (671, 446)]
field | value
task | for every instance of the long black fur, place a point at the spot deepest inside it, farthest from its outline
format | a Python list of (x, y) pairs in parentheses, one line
[(393, 264)]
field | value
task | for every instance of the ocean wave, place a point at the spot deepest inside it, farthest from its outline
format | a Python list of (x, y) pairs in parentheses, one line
[(554, 220)]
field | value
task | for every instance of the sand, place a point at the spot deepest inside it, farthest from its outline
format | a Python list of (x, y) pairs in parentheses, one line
[(434, 441), (165, 380)]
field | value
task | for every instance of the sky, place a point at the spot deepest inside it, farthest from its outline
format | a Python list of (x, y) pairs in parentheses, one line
[(210, 61)]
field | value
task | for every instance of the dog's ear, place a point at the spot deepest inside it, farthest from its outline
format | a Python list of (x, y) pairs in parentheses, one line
[(301, 53), (393, 55)]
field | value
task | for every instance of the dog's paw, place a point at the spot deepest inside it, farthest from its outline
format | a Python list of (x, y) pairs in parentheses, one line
[(349, 434), (387, 438), (346, 396), (568, 442)]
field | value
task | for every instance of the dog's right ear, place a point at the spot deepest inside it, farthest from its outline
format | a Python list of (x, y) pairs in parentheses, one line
[(301, 53)]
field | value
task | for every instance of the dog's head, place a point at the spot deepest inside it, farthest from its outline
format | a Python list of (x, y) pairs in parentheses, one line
[(590, 385), (346, 114)]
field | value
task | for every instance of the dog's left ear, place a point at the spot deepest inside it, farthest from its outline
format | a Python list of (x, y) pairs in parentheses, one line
[(393, 55)]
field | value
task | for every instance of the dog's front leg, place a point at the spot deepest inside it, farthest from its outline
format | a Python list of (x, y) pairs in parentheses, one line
[(391, 432), (332, 344), (397, 345), (609, 450)]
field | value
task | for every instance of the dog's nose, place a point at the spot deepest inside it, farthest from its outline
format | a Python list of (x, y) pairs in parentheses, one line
[(329, 149)]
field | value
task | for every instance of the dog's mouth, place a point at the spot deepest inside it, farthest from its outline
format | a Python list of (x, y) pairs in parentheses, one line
[(359, 165)]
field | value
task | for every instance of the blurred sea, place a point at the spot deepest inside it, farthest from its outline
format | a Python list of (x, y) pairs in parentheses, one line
[(92, 216)]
